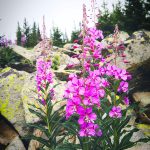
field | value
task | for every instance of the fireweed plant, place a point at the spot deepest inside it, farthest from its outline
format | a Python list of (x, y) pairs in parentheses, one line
[(50, 119), (97, 100)]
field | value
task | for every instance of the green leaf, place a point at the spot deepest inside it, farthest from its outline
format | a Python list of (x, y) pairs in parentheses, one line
[(128, 145), (56, 114), (144, 140), (123, 124), (70, 128), (68, 146), (126, 139), (39, 108), (40, 127), (43, 90), (38, 114)]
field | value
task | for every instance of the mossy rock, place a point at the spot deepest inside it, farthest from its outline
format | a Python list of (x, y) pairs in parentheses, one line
[(11, 106)]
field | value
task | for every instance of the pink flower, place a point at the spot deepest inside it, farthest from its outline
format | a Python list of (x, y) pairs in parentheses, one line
[(89, 129), (44, 77), (72, 107), (74, 47), (86, 115), (126, 100), (115, 112), (75, 41), (123, 87)]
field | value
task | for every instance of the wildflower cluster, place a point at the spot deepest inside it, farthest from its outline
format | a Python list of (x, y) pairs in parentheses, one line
[(4, 42), (84, 94), (94, 99), (44, 78)]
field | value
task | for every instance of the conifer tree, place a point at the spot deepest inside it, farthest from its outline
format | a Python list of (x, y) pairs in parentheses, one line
[(135, 15), (26, 32), (39, 38), (57, 37), (18, 35), (117, 16), (75, 35), (105, 22), (33, 36)]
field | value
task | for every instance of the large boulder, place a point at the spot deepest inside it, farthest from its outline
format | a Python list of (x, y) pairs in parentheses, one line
[(11, 106), (28, 54), (65, 60), (16, 144), (123, 36), (136, 52), (140, 146)]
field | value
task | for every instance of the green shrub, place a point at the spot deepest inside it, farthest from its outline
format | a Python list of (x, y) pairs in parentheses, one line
[(56, 62), (8, 57)]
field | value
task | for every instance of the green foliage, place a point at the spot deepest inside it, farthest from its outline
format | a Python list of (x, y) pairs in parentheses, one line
[(18, 35), (51, 123), (8, 57), (75, 35), (132, 17), (56, 62), (108, 20), (26, 32), (32, 35), (57, 37), (39, 38), (116, 132), (33, 39), (136, 16)]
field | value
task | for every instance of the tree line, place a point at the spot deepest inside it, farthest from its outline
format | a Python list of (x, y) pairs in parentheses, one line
[(27, 36), (132, 16)]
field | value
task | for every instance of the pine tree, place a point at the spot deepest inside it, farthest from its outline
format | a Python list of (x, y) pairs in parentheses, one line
[(18, 35), (135, 15), (75, 35), (57, 37), (26, 32), (117, 16), (33, 36), (105, 22), (39, 38), (146, 24)]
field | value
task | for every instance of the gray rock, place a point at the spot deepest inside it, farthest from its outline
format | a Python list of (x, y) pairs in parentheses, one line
[(142, 97), (140, 146), (135, 53), (11, 106), (16, 144)]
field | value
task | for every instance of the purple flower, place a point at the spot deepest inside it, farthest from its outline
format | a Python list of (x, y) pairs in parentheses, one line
[(115, 112), (126, 100), (43, 77), (72, 107), (123, 87), (86, 115), (89, 129)]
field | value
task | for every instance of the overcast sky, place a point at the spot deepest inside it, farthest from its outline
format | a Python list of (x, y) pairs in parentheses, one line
[(65, 14)]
